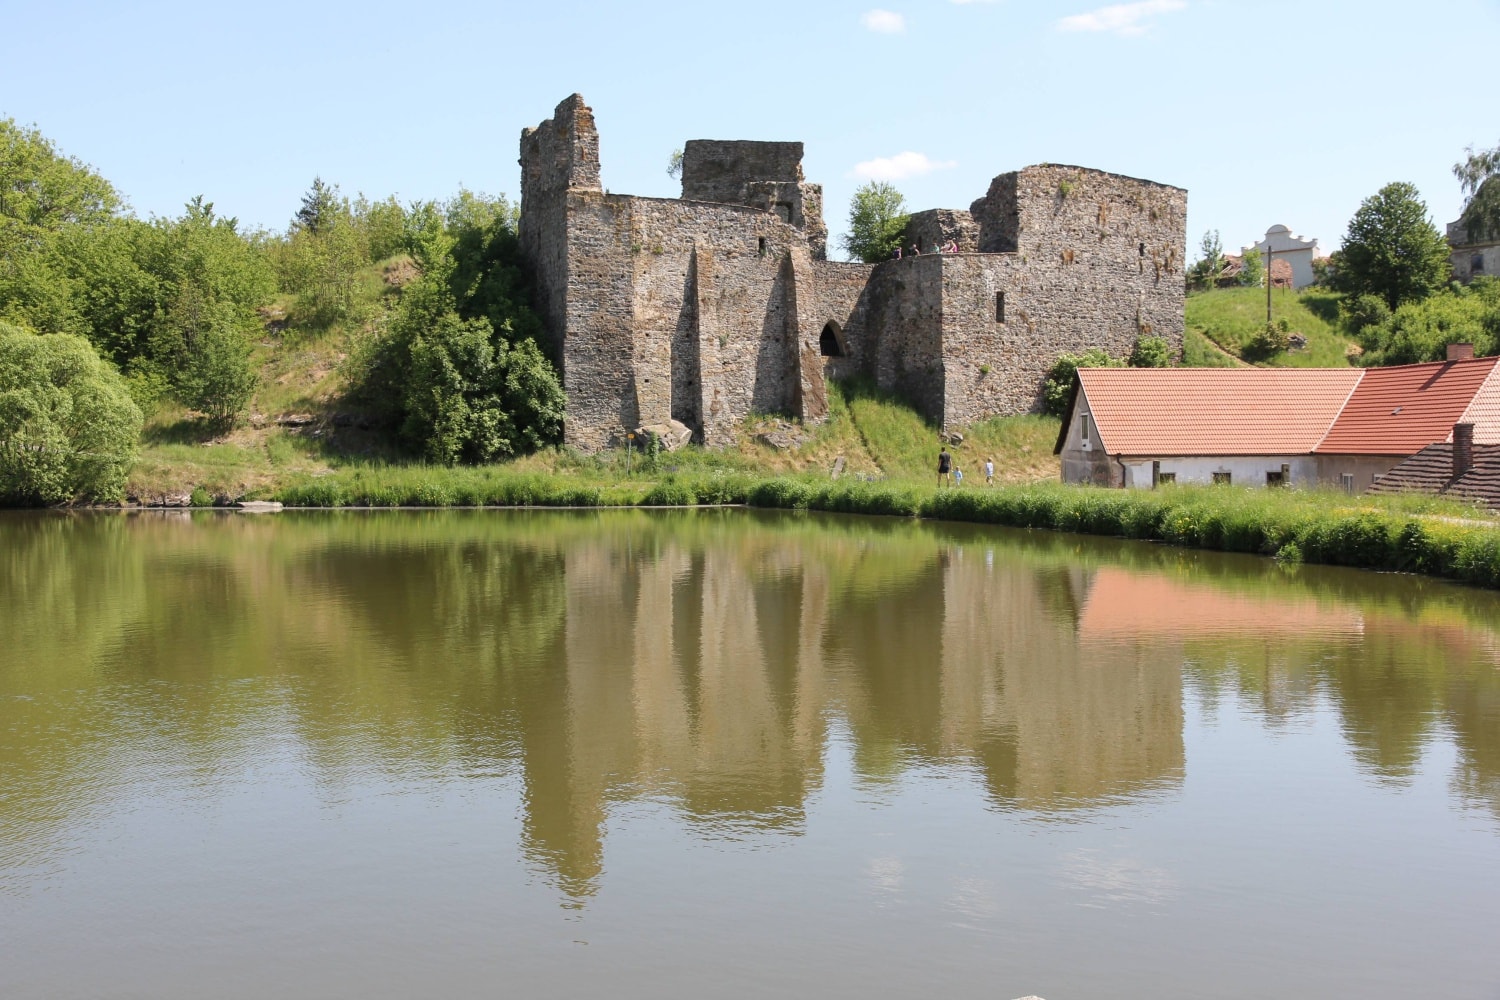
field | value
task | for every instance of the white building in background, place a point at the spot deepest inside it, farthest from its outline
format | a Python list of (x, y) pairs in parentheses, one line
[(1296, 251)]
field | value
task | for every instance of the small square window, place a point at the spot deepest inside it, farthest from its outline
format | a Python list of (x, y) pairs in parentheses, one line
[(1222, 478), (1166, 478), (1346, 481)]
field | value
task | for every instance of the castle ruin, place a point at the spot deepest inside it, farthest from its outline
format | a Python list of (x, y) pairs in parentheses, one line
[(707, 308)]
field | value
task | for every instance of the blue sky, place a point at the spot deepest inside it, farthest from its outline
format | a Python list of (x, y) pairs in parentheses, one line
[(1266, 111)]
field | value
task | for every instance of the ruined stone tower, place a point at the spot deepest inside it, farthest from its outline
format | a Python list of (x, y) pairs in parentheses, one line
[(706, 308)]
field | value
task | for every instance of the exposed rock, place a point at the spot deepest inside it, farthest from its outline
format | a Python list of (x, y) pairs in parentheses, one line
[(1296, 341), (838, 466), (295, 419), (176, 500), (672, 435), (954, 438), (784, 436), (258, 507)]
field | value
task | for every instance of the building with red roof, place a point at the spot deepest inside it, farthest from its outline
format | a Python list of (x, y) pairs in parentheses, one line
[(1343, 427)]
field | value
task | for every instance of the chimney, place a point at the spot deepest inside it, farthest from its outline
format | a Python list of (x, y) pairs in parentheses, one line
[(1460, 352), (1463, 449)]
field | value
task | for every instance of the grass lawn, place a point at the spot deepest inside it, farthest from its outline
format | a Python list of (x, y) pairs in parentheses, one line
[(1228, 317)]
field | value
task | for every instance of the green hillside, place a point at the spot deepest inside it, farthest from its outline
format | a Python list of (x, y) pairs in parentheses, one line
[(1221, 323)]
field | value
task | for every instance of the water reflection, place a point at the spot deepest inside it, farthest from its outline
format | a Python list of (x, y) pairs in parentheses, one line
[(691, 659)]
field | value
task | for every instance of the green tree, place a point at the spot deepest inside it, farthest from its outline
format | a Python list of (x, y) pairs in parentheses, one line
[(42, 189), (1392, 250), (1252, 268), (459, 368), (1205, 273), (1150, 352), (877, 220), (674, 164), (213, 375), (1422, 331), (1476, 174), (319, 206), (68, 427)]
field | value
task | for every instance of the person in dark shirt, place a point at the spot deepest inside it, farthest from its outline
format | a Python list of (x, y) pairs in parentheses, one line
[(945, 466)]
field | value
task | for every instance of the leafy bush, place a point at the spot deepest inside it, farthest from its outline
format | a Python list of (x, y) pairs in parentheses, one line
[(1150, 352), (68, 427), (1269, 341), (1058, 385)]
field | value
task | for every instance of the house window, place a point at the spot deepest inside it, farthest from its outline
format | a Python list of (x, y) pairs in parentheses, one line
[(1166, 478), (999, 307), (1085, 430), (1221, 478), (1275, 479), (1346, 482), (1476, 264)]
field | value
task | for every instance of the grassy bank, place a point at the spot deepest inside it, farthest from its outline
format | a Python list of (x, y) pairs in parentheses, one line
[(1404, 534)]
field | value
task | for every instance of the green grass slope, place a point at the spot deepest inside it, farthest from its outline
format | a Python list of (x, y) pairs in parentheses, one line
[(1226, 318)]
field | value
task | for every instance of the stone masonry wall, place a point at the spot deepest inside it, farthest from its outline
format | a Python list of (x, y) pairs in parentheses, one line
[(559, 155), (940, 226), (762, 175), (677, 310), (1098, 264), (712, 307)]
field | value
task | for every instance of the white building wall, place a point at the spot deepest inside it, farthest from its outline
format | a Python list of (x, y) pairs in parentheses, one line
[(1295, 250), (1243, 470)]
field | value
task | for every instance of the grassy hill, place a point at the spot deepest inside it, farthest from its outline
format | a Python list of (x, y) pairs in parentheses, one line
[(1220, 323)]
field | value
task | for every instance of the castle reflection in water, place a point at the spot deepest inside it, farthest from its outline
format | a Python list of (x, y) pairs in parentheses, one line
[(704, 660)]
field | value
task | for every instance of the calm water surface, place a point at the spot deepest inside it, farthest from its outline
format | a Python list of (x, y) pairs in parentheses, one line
[(484, 754)]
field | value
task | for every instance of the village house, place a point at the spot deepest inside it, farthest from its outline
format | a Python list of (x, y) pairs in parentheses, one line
[(1296, 251), (1339, 427)]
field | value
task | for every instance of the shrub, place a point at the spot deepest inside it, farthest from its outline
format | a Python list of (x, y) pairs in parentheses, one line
[(68, 427), (1058, 384), (1150, 352), (1269, 341)]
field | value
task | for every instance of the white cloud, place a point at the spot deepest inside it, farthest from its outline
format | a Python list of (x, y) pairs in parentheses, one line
[(883, 22), (976, 1), (900, 166), (1121, 18)]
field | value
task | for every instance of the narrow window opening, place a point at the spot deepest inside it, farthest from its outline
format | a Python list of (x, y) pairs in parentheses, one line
[(999, 307), (1346, 481), (761, 247), (1476, 264), (828, 343), (1085, 430)]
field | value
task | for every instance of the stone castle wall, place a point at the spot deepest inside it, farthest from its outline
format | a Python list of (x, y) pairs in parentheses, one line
[(720, 304)]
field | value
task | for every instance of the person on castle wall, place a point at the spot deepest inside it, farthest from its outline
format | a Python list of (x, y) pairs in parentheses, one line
[(952, 247), (945, 464), (989, 472), (916, 251), (897, 254), (935, 247)]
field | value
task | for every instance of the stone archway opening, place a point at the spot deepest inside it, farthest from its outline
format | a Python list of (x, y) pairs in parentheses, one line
[(831, 341)]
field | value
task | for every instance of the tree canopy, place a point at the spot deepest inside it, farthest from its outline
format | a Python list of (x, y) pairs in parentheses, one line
[(877, 219), (1392, 249), (68, 427), (1477, 173)]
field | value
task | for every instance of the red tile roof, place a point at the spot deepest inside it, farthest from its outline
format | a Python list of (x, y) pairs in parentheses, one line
[(1215, 411), (1403, 409)]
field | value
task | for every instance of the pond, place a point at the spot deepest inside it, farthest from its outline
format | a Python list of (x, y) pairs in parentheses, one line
[(680, 754)]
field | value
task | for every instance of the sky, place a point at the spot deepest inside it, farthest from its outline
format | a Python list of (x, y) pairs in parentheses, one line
[(1266, 111)]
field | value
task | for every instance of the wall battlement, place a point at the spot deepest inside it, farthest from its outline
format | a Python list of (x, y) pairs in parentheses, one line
[(707, 308)]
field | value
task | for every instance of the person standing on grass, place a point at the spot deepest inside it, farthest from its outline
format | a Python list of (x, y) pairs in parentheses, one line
[(945, 465), (958, 477), (989, 472)]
